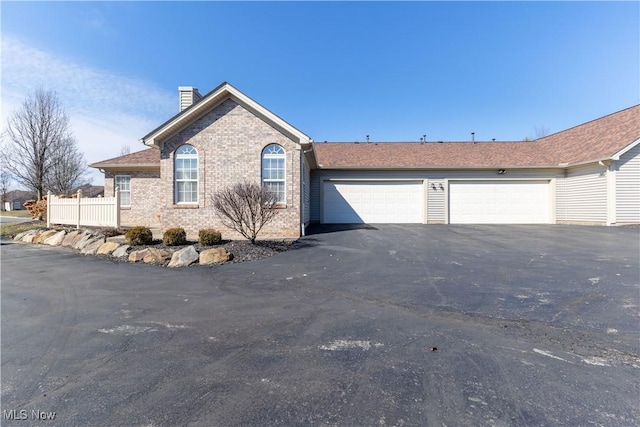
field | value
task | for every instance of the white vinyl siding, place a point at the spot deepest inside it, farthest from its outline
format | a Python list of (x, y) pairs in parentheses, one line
[(436, 201), (499, 202), (582, 195), (628, 187), (373, 202)]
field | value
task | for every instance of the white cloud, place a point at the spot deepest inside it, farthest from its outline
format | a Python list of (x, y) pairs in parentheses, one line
[(107, 110)]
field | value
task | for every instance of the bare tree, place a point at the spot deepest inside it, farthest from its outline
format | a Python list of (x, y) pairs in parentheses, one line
[(541, 131), (37, 144), (5, 182), (246, 208), (125, 149), (67, 171)]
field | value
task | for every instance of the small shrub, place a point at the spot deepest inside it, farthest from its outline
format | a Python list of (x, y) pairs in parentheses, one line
[(139, 235), (209, 237), (174, 237)]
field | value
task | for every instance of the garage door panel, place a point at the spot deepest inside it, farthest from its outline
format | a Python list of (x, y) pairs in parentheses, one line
[(372, 202), (499, 202)]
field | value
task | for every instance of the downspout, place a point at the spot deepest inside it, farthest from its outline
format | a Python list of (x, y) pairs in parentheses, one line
[(302, 227)]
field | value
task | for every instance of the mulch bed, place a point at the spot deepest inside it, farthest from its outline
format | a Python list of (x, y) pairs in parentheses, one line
[(242, 250)]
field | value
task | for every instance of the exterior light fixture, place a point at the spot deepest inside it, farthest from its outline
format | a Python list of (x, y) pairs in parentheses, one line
[(501, 171)]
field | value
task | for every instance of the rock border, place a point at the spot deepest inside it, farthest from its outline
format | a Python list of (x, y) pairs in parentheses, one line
[(90, 242)]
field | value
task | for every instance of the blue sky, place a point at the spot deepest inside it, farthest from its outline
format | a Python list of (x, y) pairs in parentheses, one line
[(337, 71)]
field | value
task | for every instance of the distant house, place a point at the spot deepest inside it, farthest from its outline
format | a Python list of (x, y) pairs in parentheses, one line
[(89, 190), (15, 199), (589, 174)]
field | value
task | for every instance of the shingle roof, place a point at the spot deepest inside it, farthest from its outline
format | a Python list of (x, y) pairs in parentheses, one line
[(428, 155), (598, 139), (592, 141), (145, 158), (595, 140)]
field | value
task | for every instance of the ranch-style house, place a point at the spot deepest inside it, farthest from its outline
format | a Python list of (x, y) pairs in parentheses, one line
[(588, 174)]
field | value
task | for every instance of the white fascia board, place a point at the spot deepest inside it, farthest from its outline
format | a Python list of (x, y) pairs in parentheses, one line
[(437, 168), (625, 149)]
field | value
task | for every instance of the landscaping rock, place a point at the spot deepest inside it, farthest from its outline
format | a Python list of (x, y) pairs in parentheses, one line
[(18, 237), (30, 235), (157, 256), (136, 256), (92, 245), (184, 257), (214, 256), (121, 251), (56, 239), (117, 239), (107, 247), (83, 240), (71, 238), (40, 238)]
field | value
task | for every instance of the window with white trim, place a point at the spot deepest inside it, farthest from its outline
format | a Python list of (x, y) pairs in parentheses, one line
[(273, 170), (123, 184), (186, 174)]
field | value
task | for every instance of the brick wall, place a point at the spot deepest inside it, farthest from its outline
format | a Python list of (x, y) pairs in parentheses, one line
[(145, 197), (229, 140)]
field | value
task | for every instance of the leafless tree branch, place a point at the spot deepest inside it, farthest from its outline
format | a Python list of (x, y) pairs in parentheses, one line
[(246, 208), (39, 148)]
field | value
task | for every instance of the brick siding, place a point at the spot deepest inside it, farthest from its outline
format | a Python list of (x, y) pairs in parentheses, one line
[(229, 140), (145, 200)]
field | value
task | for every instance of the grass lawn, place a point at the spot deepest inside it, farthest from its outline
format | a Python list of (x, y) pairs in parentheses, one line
[(18, 214), (10, 230)]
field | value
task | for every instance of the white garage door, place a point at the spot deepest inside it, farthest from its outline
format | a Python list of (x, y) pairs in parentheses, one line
[(499, 202), (372, 202)]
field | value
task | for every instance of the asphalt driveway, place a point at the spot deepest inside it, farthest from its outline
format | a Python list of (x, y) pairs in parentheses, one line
[(385, 325)]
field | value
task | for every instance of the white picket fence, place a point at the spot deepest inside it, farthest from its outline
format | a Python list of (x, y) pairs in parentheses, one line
[(84, 211)]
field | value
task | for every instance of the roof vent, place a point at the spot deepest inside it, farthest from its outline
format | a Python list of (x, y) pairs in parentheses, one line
[(473, 137)]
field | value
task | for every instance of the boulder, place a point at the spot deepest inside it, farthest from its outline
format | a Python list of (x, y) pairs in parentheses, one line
[(83, 239), (159, 256), (41, 237), (71, 238), (19, 236), (92, 245), (56, 239), (30, 235), (107, 247), (136, 256), (117, 239), (184, 257), (214, 256), (121, 251)]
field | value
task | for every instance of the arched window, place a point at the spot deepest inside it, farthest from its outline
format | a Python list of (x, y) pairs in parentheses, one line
[(186, 174), (273, 170)]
